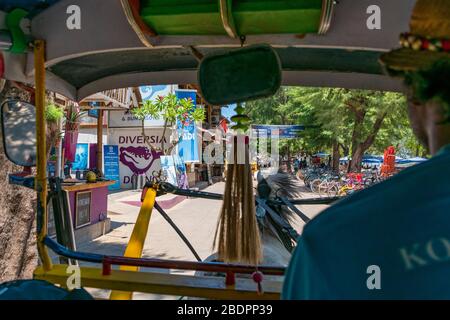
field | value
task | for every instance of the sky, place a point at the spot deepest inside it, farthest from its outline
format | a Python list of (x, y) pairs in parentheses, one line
[(228, 111)]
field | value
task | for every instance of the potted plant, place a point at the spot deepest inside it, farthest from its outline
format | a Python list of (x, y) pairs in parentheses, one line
[(53, 115), (59, 137), (73, 119)]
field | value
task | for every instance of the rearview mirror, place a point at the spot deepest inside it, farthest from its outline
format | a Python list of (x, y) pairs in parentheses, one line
[(19, 132), (237, 76)]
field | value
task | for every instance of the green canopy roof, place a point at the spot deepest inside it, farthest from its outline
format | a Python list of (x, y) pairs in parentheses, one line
[(203, 17), (107, 53)]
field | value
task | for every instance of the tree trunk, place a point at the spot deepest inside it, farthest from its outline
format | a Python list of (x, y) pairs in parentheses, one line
[(355, 164), (359, 113), (336, 156), (345, 150), (163, 150), (144, 135), (289, 167), (18, 253), (359, 149), (417, 150)]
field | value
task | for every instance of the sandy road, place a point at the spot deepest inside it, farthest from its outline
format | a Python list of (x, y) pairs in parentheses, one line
[(196, 218)]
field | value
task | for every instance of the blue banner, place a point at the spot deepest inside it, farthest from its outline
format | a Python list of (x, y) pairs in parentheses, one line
[(93, 113), (111, 165), (188, 147), (285, 132), (51, 168)]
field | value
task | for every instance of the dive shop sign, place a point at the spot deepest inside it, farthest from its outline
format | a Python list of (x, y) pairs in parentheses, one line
[(135, 156), (125, 119)]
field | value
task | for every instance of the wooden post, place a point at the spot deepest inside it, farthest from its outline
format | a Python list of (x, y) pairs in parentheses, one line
[(100, 142), (41, 172)]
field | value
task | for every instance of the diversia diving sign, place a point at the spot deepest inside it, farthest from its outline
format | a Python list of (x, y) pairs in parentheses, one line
[(141, 140), (136, 157)]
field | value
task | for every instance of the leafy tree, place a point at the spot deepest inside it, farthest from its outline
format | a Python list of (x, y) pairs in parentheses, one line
[(340, 121), (171, 110), (353, 118)]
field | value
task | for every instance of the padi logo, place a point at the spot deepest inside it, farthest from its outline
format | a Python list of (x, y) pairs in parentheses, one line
[(188, 136), (423, 254)]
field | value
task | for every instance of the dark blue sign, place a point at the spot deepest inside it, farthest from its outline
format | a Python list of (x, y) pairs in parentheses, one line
[(51, 168), (93, 113), (284, 132), (111, 165)]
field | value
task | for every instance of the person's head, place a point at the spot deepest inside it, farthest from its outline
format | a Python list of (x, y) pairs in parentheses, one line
[(424, 64)]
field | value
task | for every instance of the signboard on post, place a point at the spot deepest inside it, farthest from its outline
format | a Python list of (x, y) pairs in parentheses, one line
[(188, 147), (284, 132), (125, 119), (175, 171), (180, 169), (135, 154), (168, 167), (111, 165), (93, 113)]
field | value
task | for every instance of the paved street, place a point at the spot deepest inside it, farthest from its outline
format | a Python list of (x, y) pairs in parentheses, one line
[(197, 219)]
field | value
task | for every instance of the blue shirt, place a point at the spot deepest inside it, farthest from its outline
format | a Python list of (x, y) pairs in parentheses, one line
[(394, 236)]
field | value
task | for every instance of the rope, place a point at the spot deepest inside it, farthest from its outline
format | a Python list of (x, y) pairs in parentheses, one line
[(177, 230)]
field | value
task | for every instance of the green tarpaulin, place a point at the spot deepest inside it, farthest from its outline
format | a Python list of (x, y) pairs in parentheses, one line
[(202, 17)]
